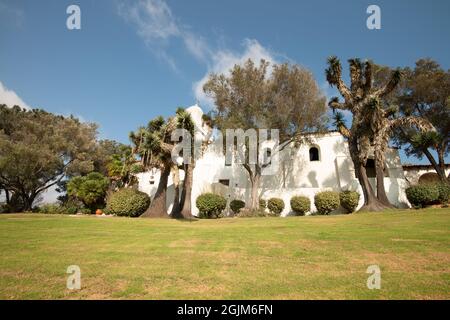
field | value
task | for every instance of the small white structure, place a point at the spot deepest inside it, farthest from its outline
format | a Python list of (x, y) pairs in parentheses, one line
[(422, 173), (321, 164)]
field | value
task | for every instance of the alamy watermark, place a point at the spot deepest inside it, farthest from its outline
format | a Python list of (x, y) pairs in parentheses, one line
[(373, 22), (73, 21), (251, 147), (374, 280), (74, 279)]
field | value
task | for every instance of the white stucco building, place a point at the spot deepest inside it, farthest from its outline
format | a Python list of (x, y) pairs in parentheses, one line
[(322, 163)]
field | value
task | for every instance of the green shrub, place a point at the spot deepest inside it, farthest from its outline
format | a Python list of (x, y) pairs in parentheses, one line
[(275, 205), (236, 205), (326, 201), (90, 189), (210, 205), (444, 193), (349, 200), (127, 202), (50, 208), (262, 204), (85, 211), (300, 205), (55, 208), (422, 195)]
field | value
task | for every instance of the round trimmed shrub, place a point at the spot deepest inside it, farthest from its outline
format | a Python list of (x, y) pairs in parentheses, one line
[(236, 206), (275, 205), (210, 205), (326, 201), (127, 202), (349, 200), (262, 204), (300, 205), (422, 195)]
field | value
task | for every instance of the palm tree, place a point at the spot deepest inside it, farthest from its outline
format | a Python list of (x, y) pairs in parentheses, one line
[(154, 146), (184, 121), (358, 99), (339, 123), (176, 208)]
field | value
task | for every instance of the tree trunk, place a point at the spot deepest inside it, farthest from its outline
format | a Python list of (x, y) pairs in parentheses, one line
[(255, 188), (186, 211), (176, 208), (371, 203), (7, 196), (441, 158), (158, 208), (28, 202), (381, 191), (439, 170), (255, 180)]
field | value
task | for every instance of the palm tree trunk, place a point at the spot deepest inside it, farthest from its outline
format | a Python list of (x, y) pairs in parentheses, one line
[(186, 211), (158, 208), (379, 171), (176, 208)]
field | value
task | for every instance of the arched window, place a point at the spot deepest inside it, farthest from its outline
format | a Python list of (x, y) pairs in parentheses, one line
[(314, 154)]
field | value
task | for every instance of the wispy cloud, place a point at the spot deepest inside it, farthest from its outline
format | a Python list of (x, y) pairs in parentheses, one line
[(224, 60), (10, 98), (157, 26), (10, 14)]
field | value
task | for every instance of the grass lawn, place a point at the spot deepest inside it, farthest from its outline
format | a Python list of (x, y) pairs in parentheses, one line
[(318, 257)]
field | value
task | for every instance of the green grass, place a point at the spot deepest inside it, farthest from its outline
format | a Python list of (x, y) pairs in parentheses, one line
[(319, 257)]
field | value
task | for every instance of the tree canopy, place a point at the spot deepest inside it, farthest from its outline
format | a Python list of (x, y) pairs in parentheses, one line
[(257, 96), (38, 149)]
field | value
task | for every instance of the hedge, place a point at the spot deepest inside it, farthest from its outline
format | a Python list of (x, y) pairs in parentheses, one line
[(275, 205), (127, 202), (236, 206), (349, 200), (300, 205), (425, 194), (262, 204), (444, 193), (422, 195), (210, 205), (326, 201)]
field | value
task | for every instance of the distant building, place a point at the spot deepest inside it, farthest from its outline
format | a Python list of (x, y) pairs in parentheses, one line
[(422, 173)]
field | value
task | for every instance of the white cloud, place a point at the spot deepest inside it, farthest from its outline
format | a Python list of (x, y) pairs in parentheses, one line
[(10, 14), (224, 60), (157, 26), (10, 98), (153, 19)]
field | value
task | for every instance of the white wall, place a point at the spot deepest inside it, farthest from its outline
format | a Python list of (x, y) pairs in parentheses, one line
[(413, 173), (296, 175)]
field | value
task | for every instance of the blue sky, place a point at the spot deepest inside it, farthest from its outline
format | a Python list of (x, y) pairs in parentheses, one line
[(134, 60)]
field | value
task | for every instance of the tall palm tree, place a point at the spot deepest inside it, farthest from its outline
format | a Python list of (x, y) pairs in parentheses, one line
[(184, 121), (154, 147)]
